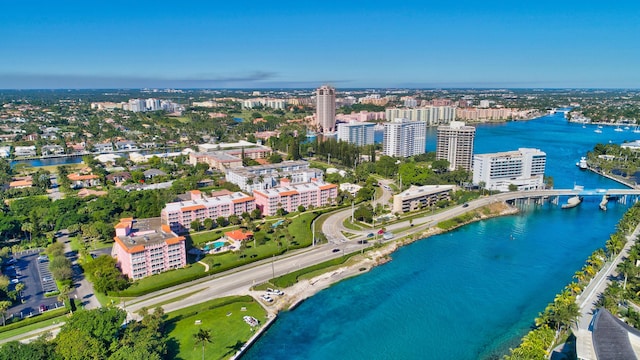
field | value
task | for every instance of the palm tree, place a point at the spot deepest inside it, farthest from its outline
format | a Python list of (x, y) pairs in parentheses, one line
[(4, 305), (19, 288), (628, 269), (201, 337)]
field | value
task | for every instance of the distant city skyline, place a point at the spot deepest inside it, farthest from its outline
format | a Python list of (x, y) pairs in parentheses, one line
[(251, 44)]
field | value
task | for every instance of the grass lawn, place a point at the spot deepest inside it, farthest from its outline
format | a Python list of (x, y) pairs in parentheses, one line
[(34, 326), (352, 226), (163, 280), (228, 332)]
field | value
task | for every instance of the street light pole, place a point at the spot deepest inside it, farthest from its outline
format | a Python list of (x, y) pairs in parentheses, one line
[(273, 269)]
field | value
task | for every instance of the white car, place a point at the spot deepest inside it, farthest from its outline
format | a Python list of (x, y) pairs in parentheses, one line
[(15, 281), (266, 298), (274, 292)]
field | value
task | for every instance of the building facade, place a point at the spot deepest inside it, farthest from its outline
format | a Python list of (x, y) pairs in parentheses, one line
[(523, 168), (432, 115), (403, 138), (359, 133), (262, 177), (326, 108), (455, 144), (179, 215), (417, 197), (290, 197), (145, 247)]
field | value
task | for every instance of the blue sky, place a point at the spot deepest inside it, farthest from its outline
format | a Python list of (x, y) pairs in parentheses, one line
[(218, 44)]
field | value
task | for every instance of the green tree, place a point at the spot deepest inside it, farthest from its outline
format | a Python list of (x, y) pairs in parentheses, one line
[(4, 306), (202, 337)]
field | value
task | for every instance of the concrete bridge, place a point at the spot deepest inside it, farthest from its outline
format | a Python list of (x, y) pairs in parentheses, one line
[(542, 196)]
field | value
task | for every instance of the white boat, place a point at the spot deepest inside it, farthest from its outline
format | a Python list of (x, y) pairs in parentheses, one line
[(618, 129), (637, 130), (598, 131), (626, 128), (599, 126), (582, 164), (572, 202)]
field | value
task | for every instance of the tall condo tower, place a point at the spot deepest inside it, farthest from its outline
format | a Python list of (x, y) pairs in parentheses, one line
[(326, 108), (455, 144), (403, 138)]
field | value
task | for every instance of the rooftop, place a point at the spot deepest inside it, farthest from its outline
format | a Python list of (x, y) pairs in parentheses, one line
[(144, 232), (425, 190)]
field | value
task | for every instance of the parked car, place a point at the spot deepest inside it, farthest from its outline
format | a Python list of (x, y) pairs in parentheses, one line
[(15, 281), (47, 278), (370, 235), (43, 308), (335, 250), (43, 258), (266, 298), (465, 205), (271, 291)]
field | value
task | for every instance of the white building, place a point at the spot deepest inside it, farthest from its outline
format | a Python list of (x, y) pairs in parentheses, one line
[(24, 150), (326, 108), (523, 168), (404, 138), (432, 115), (484, 103), (359, 133), (262, 177), (5, 151), (455, 144)]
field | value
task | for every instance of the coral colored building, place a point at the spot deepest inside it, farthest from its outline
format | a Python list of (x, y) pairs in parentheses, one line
[(290, 197), (145, 247), (179, 215)]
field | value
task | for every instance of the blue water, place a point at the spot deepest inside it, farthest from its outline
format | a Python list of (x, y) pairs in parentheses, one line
[(468, 294), (219, 244)]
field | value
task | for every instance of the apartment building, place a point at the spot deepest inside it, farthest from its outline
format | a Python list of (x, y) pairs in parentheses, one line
[(455, 144), (179, 215), (289, 197), (417, 197), (404, 138), (523, 168), (145, 247)]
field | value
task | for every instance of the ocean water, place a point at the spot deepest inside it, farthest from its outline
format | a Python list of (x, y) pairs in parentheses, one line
[(467, 294)]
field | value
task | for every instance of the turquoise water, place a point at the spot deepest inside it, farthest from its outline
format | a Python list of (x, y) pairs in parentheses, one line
[(219, 244), (468, 294)]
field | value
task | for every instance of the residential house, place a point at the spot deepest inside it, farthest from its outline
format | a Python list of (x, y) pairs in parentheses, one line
[(81, 181), (103, 148), (51, 150), (151, 173), (24, 150)]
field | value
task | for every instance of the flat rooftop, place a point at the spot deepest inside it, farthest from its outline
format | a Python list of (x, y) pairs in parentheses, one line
[(146, 232)]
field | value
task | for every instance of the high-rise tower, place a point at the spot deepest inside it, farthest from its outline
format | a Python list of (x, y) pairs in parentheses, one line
[(326, 108), (455, 144)]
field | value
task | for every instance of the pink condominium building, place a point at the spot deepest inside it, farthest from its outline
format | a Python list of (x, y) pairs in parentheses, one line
[(179, 215), (290, 197), (145, 247)]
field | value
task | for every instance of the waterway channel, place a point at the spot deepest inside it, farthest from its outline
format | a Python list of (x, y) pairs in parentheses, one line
[(471, 293)]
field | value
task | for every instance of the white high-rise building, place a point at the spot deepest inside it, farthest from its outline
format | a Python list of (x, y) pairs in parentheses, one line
[(403, 138), (523, 168), (326, 108), (432, 115), (455, 144), (359, 133)]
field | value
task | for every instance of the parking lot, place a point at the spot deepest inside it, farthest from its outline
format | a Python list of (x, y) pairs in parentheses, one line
[(37, 278)]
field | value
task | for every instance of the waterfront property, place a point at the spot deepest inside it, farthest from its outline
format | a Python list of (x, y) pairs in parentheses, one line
[(144, 247), (196, 206), (359, 133), (417, 197), (432, 115), (404, 137), (289, 197), (79, 181), (455, 144), (523, 168)]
